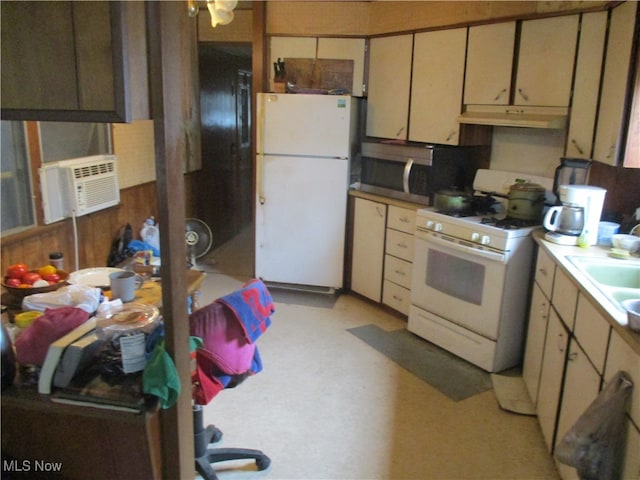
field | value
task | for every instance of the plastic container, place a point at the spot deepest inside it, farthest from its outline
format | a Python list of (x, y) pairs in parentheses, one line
[(606, 231), (57, 260)]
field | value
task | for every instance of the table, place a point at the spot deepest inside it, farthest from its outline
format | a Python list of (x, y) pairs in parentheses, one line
[(43, 436)]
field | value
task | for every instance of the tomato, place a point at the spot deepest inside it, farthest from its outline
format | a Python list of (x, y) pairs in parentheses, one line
[(52, 278), (30, 277), (12, 282), (17, 270), (47, 270)]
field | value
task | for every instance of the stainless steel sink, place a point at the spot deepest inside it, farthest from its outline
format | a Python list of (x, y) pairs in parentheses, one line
[(619, 280)]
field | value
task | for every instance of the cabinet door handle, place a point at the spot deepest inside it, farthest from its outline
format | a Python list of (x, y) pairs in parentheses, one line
[(612, 150), (402, 245), (575, 144), (399, 299), (497, 97), (560, 340), (453, 132), (399, 131), (572, 356), (523, 95), (380, 213), (543, 271), (400, 272), (404, 220)]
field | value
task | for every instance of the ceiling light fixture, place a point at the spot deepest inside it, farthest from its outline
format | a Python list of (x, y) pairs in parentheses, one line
[(221, 10)]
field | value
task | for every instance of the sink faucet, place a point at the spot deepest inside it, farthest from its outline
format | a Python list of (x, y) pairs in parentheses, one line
[(632, 231)]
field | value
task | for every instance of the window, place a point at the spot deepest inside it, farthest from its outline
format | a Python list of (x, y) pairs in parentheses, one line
[(17, 206), (64, 140), (58, 141)]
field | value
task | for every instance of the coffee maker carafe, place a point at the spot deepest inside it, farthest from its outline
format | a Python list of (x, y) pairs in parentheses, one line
[(578, 217)]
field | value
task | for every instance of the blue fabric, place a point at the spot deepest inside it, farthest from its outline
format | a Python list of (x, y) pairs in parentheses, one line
[(252, 305), (140, 246)]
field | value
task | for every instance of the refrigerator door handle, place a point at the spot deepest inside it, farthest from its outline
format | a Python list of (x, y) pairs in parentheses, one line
[(260, 178), (405, 176)]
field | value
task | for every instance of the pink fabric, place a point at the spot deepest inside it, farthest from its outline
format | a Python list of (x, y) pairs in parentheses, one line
[(33, 343), (223, 338)]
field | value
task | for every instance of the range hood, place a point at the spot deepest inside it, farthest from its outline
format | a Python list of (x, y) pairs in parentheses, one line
[(515, 116)]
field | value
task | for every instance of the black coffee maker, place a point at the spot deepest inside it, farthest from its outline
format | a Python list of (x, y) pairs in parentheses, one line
[(571, 171)]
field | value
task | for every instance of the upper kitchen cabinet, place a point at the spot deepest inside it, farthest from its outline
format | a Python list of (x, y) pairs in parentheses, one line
[(323, 48), (545, 61), (614, 83), (586, 85), (68, 61), (436, 89), (389, 86), (489, 64)]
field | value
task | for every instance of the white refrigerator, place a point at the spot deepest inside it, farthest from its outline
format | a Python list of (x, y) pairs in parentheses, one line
[(304, 144)]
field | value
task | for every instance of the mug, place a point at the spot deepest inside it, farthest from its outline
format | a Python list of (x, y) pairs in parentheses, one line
[(124, 285)]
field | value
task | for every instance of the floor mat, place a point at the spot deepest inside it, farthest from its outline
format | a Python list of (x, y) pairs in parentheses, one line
[(303, 297), (512, 394), (454, 377)]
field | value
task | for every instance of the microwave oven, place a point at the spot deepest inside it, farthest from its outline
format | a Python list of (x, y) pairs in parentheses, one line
[(415, 172)]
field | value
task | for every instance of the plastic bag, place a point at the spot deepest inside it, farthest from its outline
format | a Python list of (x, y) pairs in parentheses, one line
[(593, 445), (79, 296)]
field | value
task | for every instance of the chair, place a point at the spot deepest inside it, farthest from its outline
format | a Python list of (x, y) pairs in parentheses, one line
[(228, 328)]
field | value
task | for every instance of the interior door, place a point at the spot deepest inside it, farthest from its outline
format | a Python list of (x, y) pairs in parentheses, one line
[(224, 197)]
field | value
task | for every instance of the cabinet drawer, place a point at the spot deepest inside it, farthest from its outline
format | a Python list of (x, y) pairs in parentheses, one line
[(397, 270), (396, 297), (565, 298), (592, 332), (399, 244), (545, 272), (401, 219)]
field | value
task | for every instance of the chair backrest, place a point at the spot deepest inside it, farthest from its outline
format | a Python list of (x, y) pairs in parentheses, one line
[(223, 338), (229, 328)]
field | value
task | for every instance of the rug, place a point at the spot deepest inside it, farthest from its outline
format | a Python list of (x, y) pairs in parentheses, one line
[(454, 377), (512, 394), (303, 297)]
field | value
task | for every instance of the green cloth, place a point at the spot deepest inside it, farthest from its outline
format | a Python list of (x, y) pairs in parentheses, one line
[(160, 377)]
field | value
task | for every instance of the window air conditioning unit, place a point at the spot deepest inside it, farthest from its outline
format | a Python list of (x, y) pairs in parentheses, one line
[(79, 186)]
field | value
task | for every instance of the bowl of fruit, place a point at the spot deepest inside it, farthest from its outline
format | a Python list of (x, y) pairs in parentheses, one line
[(20, 281)]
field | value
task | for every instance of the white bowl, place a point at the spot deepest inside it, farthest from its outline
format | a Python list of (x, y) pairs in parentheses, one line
[(626, 242), (632, 307)]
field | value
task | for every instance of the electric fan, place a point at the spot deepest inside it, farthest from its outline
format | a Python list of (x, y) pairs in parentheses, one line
[(199, 239)]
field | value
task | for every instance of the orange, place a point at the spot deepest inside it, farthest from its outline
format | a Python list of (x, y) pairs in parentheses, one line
[(47, 270)]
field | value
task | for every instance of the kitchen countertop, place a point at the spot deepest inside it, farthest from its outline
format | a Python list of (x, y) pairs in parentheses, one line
[(388, 200), (617, 317)]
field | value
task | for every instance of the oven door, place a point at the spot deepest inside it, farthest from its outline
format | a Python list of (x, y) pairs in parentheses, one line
[(459, 283)]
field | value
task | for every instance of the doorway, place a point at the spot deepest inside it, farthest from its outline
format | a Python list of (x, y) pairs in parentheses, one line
[(225, 195)]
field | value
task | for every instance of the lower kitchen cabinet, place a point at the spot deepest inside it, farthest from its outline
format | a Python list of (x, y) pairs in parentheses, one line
[(621, 356), (551, 373), (580, 388), (369, 225), (382, 255), (398, 262), (537, 330), (572, 351)]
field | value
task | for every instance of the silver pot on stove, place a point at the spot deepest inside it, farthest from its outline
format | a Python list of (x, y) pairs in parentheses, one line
[(526, 201)]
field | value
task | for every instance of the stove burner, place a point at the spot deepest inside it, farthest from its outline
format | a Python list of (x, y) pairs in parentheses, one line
[(508, 223)]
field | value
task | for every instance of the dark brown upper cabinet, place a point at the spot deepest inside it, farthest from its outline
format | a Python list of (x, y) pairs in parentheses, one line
[(65, 61)]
